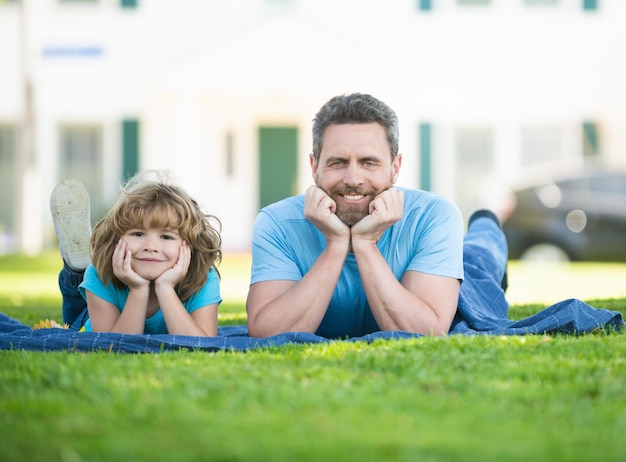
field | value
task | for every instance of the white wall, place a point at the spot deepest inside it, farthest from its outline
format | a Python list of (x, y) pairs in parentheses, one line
[(193, 70)]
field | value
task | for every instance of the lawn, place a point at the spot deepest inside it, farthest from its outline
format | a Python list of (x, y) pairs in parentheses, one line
[(450, 399)]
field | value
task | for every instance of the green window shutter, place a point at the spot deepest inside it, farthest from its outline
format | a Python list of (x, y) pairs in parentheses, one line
[(130, 147), (278, 163), (590, 5), (424, 5), (591, 139), (425, 156)]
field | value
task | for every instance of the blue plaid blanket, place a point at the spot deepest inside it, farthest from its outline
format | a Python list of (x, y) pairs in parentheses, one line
[(569, 316)]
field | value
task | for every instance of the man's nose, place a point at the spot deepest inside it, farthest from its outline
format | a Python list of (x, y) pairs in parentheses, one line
[(353, 175)]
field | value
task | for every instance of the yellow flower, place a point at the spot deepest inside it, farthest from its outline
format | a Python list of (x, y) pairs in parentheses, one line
[(49, 324)]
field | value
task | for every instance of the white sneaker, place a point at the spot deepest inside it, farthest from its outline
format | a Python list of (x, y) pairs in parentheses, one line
[(69, 204)]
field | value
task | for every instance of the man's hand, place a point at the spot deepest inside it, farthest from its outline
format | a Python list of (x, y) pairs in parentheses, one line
[(384, 210), (319, 209)]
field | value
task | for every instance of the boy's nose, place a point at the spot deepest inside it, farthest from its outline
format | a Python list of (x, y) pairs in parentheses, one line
[(150, 244)]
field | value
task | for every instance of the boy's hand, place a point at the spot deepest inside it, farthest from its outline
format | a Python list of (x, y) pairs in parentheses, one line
[(122, 268), (176, 273)]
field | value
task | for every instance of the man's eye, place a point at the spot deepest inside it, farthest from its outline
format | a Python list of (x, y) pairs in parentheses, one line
[(337, 163)]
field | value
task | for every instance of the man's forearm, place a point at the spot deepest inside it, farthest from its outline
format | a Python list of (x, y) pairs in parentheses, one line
[(302, 307), (394, 306)]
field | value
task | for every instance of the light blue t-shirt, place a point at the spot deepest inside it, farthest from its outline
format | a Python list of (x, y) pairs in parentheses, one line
[(207, 295), (428, 239)]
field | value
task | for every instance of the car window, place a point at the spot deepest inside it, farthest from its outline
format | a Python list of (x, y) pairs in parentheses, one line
[(611, 184), (605, 184)]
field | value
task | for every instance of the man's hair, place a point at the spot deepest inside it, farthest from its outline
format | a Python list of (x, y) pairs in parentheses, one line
[(153, 202), (356, 108)]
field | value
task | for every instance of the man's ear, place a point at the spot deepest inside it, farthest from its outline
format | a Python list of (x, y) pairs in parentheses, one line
[(395, 168), (313, 162)]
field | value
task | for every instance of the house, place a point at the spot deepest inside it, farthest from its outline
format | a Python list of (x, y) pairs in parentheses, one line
[(222, 94)]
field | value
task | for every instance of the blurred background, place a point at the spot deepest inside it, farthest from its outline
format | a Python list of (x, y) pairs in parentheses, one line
[(492, 95)]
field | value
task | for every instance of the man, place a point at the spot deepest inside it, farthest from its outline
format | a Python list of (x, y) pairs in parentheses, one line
[(355, 254)]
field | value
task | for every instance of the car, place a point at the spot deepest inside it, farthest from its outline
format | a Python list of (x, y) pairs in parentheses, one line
[(579, 217)]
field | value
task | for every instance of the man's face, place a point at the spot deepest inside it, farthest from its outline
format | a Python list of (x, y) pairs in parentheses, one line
[(354, 167)]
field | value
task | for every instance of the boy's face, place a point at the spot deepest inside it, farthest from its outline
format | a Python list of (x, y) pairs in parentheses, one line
[(355, 166), (153, 250)]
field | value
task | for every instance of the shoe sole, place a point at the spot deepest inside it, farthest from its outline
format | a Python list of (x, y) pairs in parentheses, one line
[(69, 204)]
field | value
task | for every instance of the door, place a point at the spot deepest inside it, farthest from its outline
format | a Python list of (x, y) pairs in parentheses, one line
[(278, 166)]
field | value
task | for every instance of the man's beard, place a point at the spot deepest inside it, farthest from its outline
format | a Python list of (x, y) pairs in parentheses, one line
[(351, 214)]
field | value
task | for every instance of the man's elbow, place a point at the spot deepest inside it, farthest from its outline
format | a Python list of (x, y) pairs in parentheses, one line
[(438, 330), (254, 331), (442, 328), (259, 329), (254, 327), (441, 331)]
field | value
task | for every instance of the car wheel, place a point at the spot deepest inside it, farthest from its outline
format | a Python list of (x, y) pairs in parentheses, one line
[(548, 253)]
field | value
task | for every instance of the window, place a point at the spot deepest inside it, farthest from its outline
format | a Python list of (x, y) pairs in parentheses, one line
[(540, 144), (80, 157), (473, 163), (474, 2), (474, 149), (8, 144), (613, 184), (81, 145), (541, 2), (230, 154), (279, 3), (8, 169)]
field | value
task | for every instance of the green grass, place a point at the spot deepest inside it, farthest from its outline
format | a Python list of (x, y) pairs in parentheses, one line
[(451, 399)]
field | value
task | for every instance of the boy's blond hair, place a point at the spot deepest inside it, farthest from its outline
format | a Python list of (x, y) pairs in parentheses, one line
[(163, 206)]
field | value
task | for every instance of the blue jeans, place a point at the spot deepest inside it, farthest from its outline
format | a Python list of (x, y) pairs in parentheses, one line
[(75, 312), (485, 256)]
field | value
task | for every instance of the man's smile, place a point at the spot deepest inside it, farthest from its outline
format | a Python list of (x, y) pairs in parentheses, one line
[(353, 197)]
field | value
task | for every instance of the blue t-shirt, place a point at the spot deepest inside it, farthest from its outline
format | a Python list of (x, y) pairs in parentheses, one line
[(207, 295), (428, 239)]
